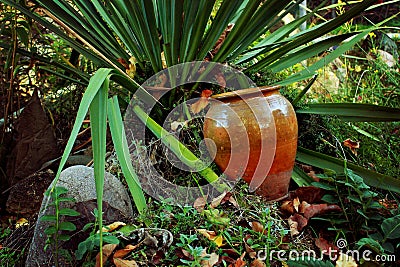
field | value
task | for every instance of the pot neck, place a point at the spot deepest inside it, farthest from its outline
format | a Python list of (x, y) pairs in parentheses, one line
[(247, 93)]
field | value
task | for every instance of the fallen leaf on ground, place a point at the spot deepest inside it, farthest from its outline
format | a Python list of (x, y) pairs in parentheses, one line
[(217, 201), (220, 80), (239, 262), (309, 194), (125, 251), (353, 145), (258, 263), (107, 251), (199, 204), (250, 251), (345, 260), (113, 226), (212, 236), (212, 260), (312, 210), (287, 207), (178, 124), (200, 104), (257, 227), (125, 263), (325, 246), (296, 204), (296, 223), (183, 254)]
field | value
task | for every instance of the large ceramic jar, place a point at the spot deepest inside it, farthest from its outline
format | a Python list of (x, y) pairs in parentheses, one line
[(253, 135)]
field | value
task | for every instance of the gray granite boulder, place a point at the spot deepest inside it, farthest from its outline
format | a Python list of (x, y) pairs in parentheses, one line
[(79, 180)]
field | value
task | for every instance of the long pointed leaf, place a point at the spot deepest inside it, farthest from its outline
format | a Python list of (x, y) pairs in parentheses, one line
[(122, 150), (98, 122), (327, 162), (354, 111)]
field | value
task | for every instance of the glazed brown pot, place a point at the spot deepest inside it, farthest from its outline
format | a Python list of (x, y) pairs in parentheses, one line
[(251, 142)]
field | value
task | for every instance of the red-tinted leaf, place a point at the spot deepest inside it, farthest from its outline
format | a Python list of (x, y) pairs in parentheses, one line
[(258, 263), (123, 252), (310, 194), (353, 145), (318, 209), (287, 207), (296, 223), (200, 104), (183, 254), (325, 246), (239, 262)]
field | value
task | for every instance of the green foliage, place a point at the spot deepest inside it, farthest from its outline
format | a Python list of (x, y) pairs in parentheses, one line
[(384, 239), (196, 252), (56, 231), (309, 263)]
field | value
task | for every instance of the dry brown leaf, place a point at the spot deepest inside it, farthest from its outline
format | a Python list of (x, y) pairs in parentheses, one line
[(183, 254), (131, 70), (239, 262), (287, 207), (221, 39), (325, 246), (176, 124), (296, 204), (353, 145), (304, 205), (258, 263), (318, 209), (345, 260), (200, 104), (199, 204), (123, 252), (257, 227), (107, 251), (233, 202), (163, 61), (113, 226), (213, 258), (217, 201), (220, 80), (296, 223), (250, 251), (123, 63), (310, 194), (125, 263)]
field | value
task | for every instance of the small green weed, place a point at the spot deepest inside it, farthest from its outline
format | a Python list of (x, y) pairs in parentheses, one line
[(56, 230)]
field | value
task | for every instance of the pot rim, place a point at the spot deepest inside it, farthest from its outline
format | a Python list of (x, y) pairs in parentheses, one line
[(246, 92)]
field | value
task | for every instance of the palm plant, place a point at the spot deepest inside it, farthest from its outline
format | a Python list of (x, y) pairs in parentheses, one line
[(156, 32)]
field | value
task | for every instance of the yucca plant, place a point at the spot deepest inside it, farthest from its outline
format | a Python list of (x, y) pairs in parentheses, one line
[(163, 33)]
